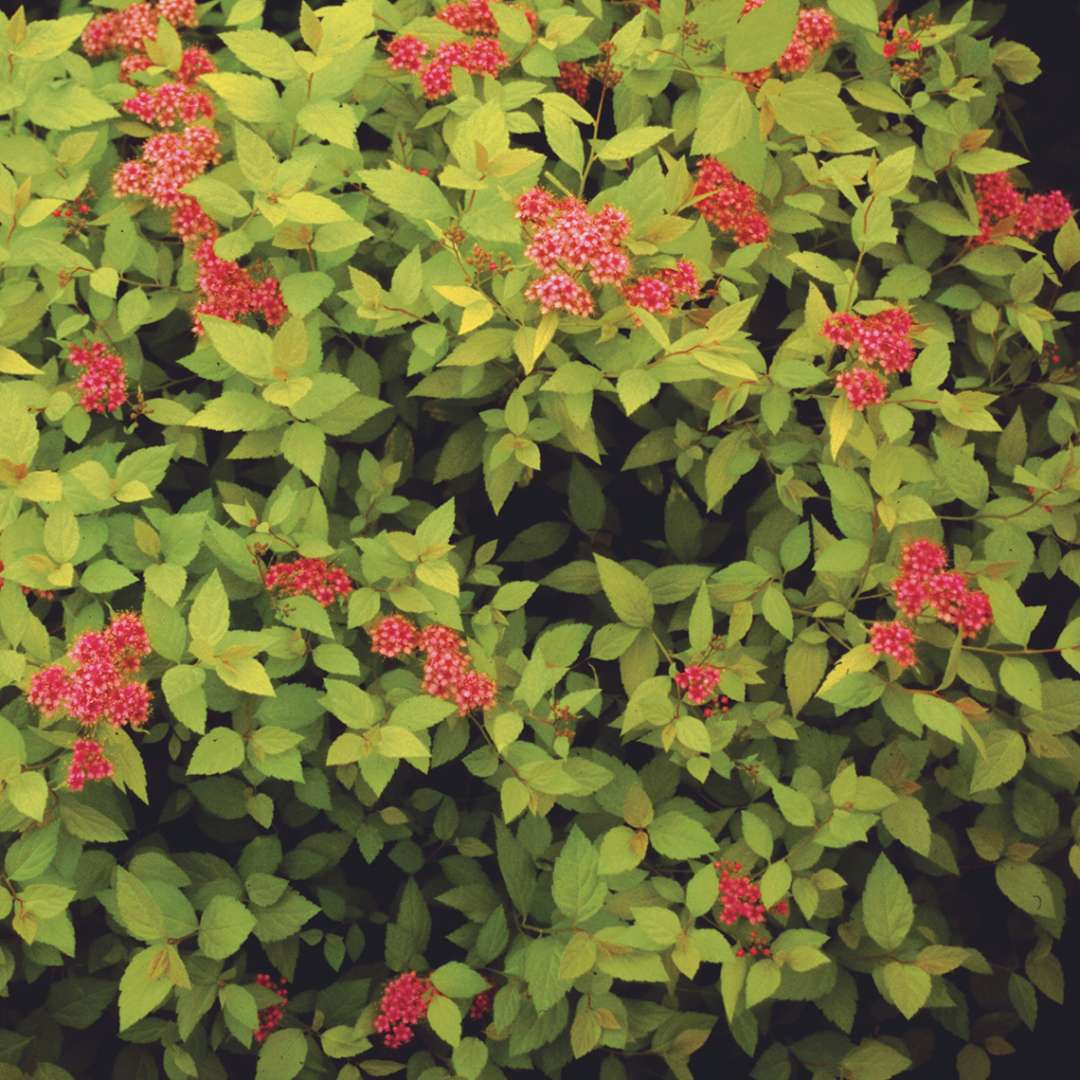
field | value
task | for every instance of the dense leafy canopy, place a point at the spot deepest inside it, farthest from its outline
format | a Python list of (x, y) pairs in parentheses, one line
[(531, 531)]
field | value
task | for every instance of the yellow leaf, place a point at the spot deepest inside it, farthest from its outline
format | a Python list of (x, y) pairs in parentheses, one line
[(461, 295), (841, 419), (11, 363)]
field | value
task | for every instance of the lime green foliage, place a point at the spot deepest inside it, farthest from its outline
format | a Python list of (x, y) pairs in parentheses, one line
[(590, 502)]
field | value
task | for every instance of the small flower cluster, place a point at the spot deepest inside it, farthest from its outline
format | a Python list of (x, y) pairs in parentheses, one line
[(924, 581), (814, 32), (447, 669), (658, 292), (699, 682), (756, 946), (87, 763), (170, 160), (481, 1004), (729, 204), (76, 211), (483, 55), (103, 382), (574, 80), (271, 1016), (902, 46), (309, 577), (127, 31), (403, 1005), (723, 706), (1003, 211), (567, 239), (102, 686), (883, 338), (740, 896)]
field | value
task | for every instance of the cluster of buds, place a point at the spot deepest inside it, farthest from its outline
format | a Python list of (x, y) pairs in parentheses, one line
[(270, 1016), (723, 705), (689, 31), (566, 239), (308, 577), (901, 45), (171, 159), (728, 204), (883, 339), (603, 70), (815, 33), (1004, 211), (76, 212), (574, 79), (447, 669), (479, 54), (480, 259), (403, 1005), (564, 721), (88, 762), (481, 1004), (103, 382), (102, 685), (924, 581), (757, 945)]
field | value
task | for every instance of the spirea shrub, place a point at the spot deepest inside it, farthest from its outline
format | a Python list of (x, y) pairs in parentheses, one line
[(538, 539)]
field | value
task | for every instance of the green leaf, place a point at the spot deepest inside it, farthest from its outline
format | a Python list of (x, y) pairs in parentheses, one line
[(761, 36), (28, 792), (219, 751), (139, 911), (628, 144), (873, 1060), (908, 986), (676, 836), (444, 1016), (762, 982), (1020, 679), (264, 52), (470, 1057), (1027, 886), (410, 194), (576, 887), (626, 592), (887, 909), (860, 13), (144, 985), (208, 619), (224, 927), (794, 805), (458, 980), (940, 715), (283, 1054)]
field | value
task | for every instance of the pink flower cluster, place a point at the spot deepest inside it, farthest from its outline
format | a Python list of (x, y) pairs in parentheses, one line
[(403, 1005), (658, 292), (170, 160), (483, 55), (924, 581), (127, 30), (741, 897), (104, 380), (309, 577), (883, 338), (102, 685), (729, 204), (699, 682), (481, 1004), (87, 763), (447, 671), (567, 239), (1003, 211), (271, 1016), (814, 32)]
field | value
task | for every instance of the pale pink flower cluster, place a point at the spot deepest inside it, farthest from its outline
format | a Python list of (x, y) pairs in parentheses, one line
[(447, 670), (101, 685), (309, 577), (658, 293), (127, 30), (104, 379), (699, 682)]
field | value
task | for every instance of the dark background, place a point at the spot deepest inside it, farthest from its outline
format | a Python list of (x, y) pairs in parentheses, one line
[(1047, 113)]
